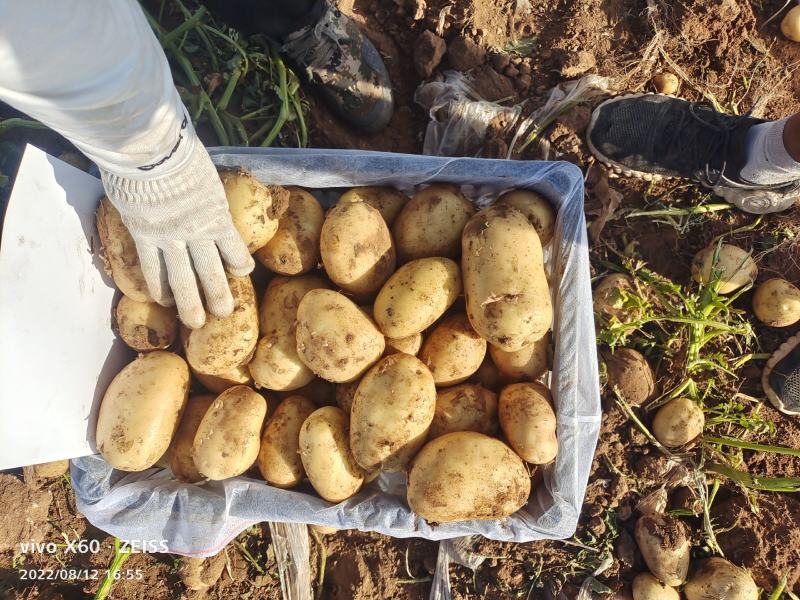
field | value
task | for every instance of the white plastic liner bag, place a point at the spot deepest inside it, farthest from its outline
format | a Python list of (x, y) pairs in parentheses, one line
[(200, 519)]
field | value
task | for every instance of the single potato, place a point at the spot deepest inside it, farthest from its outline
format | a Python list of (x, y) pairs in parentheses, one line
[(279, 457), (536, 208), (431, 223), (256, 208), (733, 265), (506, 289), (629, 372), (276, 364), (141, 410), (180, 450), (239, 375), (609, 301), (647, 587), (465, 407), (407, 345), (357, 249), (146, 326), (294, 248), (228, 437), (391, 412), (416, 296), (467, 475), (334, 338), (388, 201), (665, 545), (790, 25), (529, 422), (529, 363), (777, 303), (718, 579), (325, 453), (119, 253), (678, 422), (453, 351)]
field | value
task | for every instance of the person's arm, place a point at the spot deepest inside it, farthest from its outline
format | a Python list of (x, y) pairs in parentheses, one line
[(94, 71)]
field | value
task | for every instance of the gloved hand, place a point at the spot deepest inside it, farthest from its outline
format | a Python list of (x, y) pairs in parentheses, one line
[(183, 232)]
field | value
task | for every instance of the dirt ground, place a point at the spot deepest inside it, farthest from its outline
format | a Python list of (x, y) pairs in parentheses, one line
[(517, 50)]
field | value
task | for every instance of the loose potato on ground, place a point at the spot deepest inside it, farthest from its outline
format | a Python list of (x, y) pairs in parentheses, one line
[(664, 544), (228, 437), (146, 326), (224, 343), (180, 450), (119, 253), (334, 338), (453, 351), (416, 296), (279, 457), (529, 363), (776, 303), (239, 375), (608, 298), (717, 579), (506, 289), (678, 422), (467, 475), (528, 421), (431, 223), (357, 249), (255, 207), (407, 345), (790, 25), (388, 201), (325, 451), (391, 412), (141, 409), (629, 372), (48, 470), (734, 267), (294, 248), (465, 407), (647, 587), (536, 208)]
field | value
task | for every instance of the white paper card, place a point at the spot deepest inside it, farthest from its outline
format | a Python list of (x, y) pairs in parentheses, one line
[(57, 350)]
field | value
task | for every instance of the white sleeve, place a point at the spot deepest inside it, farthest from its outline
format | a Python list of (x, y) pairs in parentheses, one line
[(93, 71)]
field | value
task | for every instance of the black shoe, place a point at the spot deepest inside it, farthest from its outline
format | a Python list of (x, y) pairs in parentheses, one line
[(346, 68), (781, 377), (654, 137)]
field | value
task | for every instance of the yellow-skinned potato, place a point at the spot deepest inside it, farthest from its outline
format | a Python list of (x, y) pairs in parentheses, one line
[(416, 296), (294, 248), (777, 303), (453, 351), (465, 407), (278, 311), (180, 450), (718, 579), (647, 587), (790, 25), (678, 422), (665, 547), (224, 343), (735, 266), (325, 452), (357, 249), (506, 289), (407, 345), (141, 409), (388, 201), (276, 364), (529, 422), (529, 363), (119, 253), (228, 437), (430, 224), (391, 412), (255, 207), (608, 300), (536, 209), (146, 326), (467, 475), (239, 375), (279, 457), (334, 338)]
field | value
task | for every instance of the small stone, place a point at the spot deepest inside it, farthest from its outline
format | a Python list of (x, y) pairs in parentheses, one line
[(463, 54), (490, 85), (666, 83), (428, 53), (499, 61)]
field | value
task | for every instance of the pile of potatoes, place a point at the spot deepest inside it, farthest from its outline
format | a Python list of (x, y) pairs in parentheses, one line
[(389, 334)]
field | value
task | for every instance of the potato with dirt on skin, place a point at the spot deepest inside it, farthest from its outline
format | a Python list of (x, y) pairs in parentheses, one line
[(608, 298), (776, 303), (407, 345), (278, 311), (647, 587), (665, 545), (224, 343), (391, 413), (505, 286), (325, 452), (790, 25), (388, 201), (466, 475), (431, 223), (416, 295), (536, 208), (465, 407), (239, 375), (678, 422), (228, 437), (181, 462), (526, 415), (630, 374), (141, 410), (453, 351), (530, 362), (279, 457), (47, 470), (731, 267), (294, 249), (718, 579), (255, 208), (146, 326), (357, 250), (119, 253), (334, 338)]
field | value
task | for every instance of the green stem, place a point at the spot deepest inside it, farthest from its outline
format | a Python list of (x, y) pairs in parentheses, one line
[(233, 81), (679, 212), (767, 484), (113, 569), (189, 23), (283, 115), (726, 441), (301, 120), (778, 591)]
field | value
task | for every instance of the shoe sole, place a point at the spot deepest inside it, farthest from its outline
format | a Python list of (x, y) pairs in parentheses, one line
[(776, 357)]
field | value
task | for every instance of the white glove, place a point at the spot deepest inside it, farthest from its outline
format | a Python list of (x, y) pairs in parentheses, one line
[(182, 226)]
